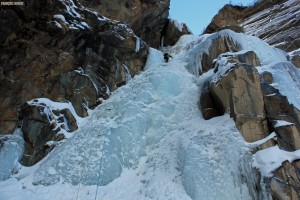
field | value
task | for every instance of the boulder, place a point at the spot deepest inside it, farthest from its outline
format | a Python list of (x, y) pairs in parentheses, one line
[(42, 127), (219, 45), (266, 77), (288, 136), (248, 57), (240, 94)]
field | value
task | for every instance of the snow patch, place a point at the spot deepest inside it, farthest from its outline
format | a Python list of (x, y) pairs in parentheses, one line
[(61, 18), (177, 24), (270, 159), (279, 123), (286, 78)]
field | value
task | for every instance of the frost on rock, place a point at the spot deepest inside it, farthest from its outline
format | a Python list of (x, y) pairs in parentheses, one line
[(201, 47), (286, 78), (11, 150)]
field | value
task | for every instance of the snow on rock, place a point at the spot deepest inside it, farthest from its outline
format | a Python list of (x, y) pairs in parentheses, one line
[(279, 123), (56, 106), (264, 51), (178, 25), (71, 8), (262, 141), (286, 78), (270, 159), (203, 44), (11, 150), (60, 17), (51, 106)]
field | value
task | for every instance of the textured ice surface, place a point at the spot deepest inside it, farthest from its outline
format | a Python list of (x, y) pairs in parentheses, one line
[(147, 141), (11, 148)]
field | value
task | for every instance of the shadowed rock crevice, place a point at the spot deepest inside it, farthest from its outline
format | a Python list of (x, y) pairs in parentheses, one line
[(210, 106)]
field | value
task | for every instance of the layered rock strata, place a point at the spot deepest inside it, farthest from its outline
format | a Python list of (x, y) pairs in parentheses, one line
[(276, 22)]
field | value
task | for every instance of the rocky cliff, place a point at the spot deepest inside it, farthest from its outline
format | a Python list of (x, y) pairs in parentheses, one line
[(146, 17), (256, 104), (71, 51), (276, 22), (240, 87)]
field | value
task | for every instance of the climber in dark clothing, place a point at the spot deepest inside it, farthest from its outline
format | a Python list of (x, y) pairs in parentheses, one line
[(167, 57)]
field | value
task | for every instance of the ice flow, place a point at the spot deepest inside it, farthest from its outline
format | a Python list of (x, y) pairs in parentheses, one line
[(149, 141)]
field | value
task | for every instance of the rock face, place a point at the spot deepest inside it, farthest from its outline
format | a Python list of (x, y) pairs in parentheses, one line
[(240, 94), (172, 31), (286, 182), (61, 51), (285, 121), (295, 58), (43, 125), (146, 17), (227, 18), (240, 87), (65, 53), (276, 22)]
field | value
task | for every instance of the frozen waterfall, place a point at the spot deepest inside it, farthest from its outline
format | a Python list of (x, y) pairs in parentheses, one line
[(147, 141)]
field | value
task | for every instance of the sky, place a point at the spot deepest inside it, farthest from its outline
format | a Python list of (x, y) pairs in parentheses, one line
[(197, 14)]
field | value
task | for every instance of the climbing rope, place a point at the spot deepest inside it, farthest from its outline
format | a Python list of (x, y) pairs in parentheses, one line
[(86, 158), (98, 179)]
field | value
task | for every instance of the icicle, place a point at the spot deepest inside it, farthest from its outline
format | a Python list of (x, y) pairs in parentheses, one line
[(162, 41), (137, 44), (127, 73)]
